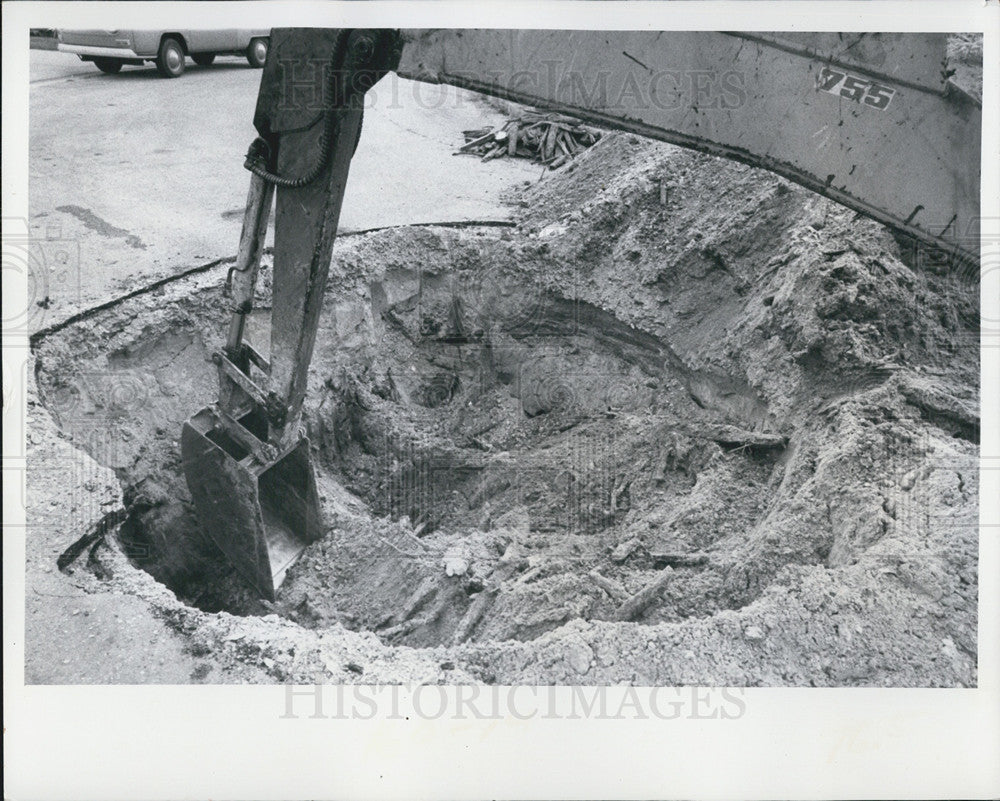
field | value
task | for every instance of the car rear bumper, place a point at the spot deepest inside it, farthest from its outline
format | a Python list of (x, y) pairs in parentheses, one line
[(95, 51)]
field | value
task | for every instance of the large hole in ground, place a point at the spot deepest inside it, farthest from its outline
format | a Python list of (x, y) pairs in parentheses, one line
[(493, 460), (513, 430)]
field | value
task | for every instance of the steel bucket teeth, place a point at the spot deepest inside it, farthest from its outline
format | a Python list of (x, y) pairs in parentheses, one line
[(261, 515)]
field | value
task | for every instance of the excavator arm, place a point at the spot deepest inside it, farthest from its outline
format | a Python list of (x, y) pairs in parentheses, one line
[(869, 120)]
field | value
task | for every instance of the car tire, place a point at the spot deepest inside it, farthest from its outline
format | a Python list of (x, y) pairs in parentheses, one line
[(170, 59), (257, 53), (111, 66), (203, 59)]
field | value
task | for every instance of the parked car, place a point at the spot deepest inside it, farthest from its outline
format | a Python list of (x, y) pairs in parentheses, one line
[(110, 50)]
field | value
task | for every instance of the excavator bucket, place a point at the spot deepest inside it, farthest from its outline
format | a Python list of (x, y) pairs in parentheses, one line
[(261, 514), (246, 463)]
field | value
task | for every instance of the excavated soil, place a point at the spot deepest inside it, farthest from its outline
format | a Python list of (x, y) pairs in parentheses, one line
[(747, 399)]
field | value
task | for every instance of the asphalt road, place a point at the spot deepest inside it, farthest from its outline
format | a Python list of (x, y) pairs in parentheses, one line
[(133, 177)]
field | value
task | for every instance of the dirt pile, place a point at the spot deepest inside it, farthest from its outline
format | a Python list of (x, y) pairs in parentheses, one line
[(686, 423)]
